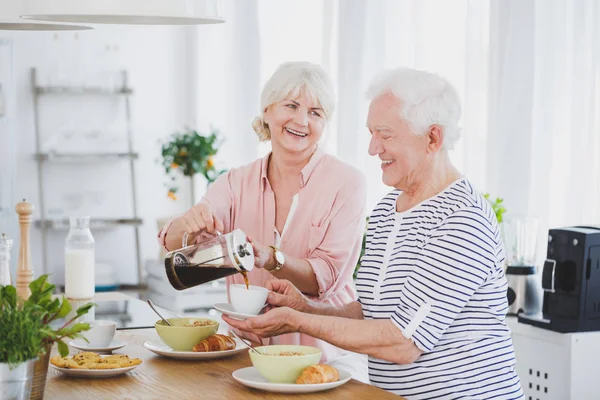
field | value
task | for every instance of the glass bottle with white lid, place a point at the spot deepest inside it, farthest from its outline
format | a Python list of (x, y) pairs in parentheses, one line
[(5, 247), (79, 260)]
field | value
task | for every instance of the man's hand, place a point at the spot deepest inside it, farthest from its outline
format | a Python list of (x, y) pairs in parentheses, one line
[(273, 323), (282, 293)]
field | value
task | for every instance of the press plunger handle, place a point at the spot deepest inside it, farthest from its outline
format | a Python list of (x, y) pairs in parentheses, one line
[(24, 269)]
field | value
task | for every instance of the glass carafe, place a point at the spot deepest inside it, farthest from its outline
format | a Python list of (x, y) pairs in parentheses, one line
[(215, 258), (79, 260)]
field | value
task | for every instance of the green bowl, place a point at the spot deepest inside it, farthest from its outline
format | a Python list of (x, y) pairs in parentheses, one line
[(182, 338), (284, 369)]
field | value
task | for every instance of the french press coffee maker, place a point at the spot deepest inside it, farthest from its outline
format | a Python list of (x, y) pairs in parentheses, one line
[(215, 258)]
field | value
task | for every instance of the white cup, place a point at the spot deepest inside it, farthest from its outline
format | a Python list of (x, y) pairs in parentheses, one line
[(101, 333), (248, 301)]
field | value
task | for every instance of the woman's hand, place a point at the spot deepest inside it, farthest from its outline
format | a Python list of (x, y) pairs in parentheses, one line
[(200, 218), (273, 323), (263, 255), (282, 293), (197, 220)]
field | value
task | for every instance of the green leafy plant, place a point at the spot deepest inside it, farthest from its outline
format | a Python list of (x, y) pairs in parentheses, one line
[(28, 328), (497, 206), (190, 153), (51, 310), (20, 330)]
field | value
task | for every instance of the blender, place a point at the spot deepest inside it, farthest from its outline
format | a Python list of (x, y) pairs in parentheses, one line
[(520, 241)]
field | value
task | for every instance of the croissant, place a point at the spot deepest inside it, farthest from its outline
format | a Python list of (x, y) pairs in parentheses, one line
[(215, 342), (320, 373)]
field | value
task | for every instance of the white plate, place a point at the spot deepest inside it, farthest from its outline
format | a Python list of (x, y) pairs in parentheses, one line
[(227, 309), (94, 373), (81, 344), (250, 377), (164, 350)]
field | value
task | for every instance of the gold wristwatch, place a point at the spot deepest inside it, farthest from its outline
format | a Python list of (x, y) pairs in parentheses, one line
[(279, 259)]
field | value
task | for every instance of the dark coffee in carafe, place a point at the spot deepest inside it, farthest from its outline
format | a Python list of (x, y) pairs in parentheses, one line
[(216, 258)]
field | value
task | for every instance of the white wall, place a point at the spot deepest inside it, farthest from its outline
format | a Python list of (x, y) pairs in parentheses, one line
[(162, 66)]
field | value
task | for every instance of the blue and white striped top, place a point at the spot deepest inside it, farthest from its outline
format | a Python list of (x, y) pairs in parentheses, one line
[(446, 252)]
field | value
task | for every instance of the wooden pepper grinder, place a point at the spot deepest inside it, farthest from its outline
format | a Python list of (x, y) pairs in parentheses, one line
[(24, 269)]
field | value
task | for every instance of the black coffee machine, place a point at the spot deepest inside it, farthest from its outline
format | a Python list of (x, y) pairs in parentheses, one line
[(571, 281)]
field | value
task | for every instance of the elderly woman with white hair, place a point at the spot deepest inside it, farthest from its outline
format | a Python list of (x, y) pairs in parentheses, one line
[(432, 291), (304, 210)]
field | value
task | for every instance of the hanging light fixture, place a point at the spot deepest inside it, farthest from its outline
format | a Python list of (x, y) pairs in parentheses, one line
[(127, 12), (10, 11)]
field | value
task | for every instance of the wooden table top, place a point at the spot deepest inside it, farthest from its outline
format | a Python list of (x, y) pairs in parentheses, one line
[(164, 378)]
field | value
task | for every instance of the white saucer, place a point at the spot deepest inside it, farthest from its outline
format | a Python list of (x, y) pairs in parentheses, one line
[(164, 350), (227, 309), (250, 377), (81, 344)]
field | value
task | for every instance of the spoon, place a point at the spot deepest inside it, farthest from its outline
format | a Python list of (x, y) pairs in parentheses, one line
[(157, 313), (247, 343)]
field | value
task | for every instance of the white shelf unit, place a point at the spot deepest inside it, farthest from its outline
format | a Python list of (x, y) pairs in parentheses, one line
[(84, 158), (46, 224), (556, 366)]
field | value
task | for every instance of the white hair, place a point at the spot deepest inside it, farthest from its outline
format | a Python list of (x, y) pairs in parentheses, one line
[(427, 99), (290, 80)]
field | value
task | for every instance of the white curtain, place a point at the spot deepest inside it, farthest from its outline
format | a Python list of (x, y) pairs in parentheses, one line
[(544, 128), (527, 72), (446, 37), (227, 81)]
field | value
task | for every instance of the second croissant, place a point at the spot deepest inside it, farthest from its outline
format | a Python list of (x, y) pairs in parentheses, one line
[(215, 342)]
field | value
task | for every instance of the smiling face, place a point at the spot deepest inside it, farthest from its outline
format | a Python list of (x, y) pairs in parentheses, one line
[(403, 154), (296, 123)]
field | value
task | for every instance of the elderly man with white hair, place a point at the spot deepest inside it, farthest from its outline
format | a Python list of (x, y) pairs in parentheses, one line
[(432, 291)]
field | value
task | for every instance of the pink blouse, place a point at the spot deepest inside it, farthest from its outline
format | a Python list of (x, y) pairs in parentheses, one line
[(326, 228)]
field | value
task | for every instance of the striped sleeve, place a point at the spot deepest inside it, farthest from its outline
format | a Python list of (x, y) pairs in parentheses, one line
[(453, 264)]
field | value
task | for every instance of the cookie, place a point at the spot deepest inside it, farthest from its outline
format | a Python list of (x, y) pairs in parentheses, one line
[(130, 362), (115, 359), (64, 362), (86, 357), (58, 361)]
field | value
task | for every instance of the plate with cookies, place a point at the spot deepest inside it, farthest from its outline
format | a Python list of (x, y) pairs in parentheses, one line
[(92, 365), (213, 347)]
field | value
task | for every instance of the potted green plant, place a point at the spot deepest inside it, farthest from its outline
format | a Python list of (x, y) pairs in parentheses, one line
[(189, 153), (53, 312), (52, 326), (20, 344)]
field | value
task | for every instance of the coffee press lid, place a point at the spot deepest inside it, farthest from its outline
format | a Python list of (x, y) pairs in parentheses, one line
[(240, 250)]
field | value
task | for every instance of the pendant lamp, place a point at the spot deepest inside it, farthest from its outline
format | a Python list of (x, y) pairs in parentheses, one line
[(10, 11), (126, 12)]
